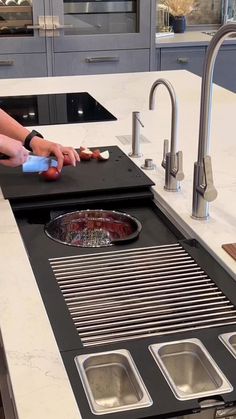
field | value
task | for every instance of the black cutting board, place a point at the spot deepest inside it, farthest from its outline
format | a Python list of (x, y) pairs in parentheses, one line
[(119, 172)]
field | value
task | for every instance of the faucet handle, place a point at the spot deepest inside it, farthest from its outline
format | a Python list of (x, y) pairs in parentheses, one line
[(165, 151), (139, 120), (209, 192), (179, 175)]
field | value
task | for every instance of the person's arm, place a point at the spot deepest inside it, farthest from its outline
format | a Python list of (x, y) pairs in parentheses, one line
[(14, 150), (11, 128)]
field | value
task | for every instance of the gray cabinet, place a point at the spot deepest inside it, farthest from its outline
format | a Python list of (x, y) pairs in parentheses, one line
[(101, 62), (23, 49), (103, 37), (225, 67), (23, 65), (98, 25), (190, 59), (67, 37)]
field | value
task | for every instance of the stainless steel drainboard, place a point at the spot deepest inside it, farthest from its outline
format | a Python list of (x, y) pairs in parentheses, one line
[(130, 294)]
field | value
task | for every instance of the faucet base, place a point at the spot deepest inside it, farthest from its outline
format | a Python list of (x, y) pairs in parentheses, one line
[(148, 165), (134, 155), (200, 218), (177, 189)]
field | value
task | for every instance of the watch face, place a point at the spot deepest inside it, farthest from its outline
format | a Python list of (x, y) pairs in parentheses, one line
[(35, 133)]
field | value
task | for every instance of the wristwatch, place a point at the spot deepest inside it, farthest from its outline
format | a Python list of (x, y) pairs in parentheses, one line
[(29, 137)]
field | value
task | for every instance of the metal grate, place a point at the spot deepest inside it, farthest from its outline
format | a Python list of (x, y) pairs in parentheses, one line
[(130, 294)]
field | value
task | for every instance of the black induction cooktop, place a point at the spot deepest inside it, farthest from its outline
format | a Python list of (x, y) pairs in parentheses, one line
[(51, 109)]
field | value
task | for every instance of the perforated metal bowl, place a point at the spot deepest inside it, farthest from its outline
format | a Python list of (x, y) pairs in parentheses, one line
[(93, 228)]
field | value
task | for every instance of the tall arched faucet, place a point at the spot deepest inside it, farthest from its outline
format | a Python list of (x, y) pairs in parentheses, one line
[(203, 188), (172, 161)]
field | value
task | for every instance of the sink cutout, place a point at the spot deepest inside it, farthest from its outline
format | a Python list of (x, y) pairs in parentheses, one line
[(112, 382), (189, 369)]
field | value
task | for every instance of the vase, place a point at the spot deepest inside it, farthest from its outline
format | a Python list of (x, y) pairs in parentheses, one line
[(178, 23)]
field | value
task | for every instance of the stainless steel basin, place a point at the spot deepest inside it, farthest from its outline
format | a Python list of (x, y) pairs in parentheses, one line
[(112, 382), (189, 369), (229, 340), (93, 228)]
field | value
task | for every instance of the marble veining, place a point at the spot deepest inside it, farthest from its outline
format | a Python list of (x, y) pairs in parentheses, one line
[(36, 369)]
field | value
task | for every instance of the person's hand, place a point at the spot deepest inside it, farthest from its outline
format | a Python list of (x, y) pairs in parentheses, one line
[(15, 150), (42, 147)]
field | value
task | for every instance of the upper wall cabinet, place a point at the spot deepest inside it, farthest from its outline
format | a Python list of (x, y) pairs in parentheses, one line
[(23, 49), (18, 18)]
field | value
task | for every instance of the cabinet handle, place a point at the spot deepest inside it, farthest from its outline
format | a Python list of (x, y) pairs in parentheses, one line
[(40, 27), (101, 59), (59, 26), (5, 63), (182, 60)]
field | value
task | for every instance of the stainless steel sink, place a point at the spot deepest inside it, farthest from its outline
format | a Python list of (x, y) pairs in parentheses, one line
[(229, 340), (112, 382), (189, 369)]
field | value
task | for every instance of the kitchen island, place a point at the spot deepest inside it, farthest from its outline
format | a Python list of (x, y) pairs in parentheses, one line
[(39, 383)]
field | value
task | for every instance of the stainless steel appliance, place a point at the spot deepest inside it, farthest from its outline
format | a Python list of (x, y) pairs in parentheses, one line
[(106, 16)]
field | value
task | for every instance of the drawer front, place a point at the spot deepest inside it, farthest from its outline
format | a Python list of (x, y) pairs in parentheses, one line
[(22, 65), (100, 62), (183, 59), (225, 67)]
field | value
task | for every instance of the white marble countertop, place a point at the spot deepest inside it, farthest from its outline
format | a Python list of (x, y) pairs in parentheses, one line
[(187, 39), (40, 385)]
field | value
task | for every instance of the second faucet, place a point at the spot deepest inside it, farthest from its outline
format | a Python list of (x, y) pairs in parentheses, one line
[(172, 160)]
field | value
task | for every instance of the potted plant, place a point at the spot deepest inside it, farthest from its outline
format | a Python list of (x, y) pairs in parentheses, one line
[(178, 10)]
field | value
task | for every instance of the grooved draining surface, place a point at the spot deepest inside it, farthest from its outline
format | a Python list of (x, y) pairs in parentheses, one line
[(129, 294)]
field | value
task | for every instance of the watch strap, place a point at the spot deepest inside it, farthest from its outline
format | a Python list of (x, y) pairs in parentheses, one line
[(29, 137)]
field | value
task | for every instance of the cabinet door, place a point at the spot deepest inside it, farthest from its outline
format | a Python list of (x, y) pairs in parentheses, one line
[(225, 68), (17, 19), (101, 25), (183, 59), (100, 62)]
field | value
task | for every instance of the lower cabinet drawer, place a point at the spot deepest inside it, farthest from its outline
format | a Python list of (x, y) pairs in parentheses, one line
[(225, 65), (22, 65), (100, 62), (183, 59)]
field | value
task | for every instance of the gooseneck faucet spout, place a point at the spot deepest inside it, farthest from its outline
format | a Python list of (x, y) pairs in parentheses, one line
[(203, 187), (172, 161)]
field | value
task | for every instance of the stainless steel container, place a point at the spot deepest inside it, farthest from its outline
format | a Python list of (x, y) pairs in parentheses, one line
[(112, 382), (189, 369)]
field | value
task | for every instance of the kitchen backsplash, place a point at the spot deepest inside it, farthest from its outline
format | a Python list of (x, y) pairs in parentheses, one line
[(207, 12)]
